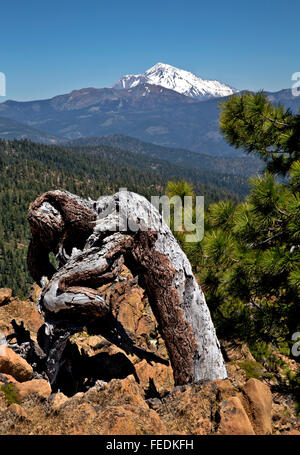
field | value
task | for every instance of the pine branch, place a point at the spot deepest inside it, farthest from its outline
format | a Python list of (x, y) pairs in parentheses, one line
[(279, 152), (276, 122)]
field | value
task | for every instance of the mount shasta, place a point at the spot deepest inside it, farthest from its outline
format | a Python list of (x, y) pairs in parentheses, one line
[(165, 106), (180, 81)]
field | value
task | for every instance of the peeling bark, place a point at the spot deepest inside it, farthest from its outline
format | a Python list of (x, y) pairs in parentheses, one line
[(92, 240)]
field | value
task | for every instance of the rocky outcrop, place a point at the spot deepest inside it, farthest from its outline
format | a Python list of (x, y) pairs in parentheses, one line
[(38, 386), (193, 409), (24, 313), (121, 407), (92, 240), (257, 400), (17, 413), (143, 400), (14, 365), (5, 295), (233, 418), (57, 402), (156, 377)]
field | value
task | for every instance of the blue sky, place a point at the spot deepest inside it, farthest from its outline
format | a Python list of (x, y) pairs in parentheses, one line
[(50, 48)]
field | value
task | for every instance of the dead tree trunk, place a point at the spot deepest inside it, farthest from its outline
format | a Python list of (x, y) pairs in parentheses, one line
[(92, 240)]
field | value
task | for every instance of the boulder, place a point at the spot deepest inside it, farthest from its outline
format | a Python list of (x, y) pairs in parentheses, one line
[(57, 401), (18, 412), (161, 375), (117, 393), (224, 389), (7, 379), (115, 408), (257, 400), (38, 386), (233, 418), (121, 420), (5, 295), (14, 365), (190, 409), (77, 419), (3, 401), (22, 311)]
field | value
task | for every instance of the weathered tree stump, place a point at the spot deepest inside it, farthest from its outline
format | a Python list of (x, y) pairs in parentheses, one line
[(92, 240)]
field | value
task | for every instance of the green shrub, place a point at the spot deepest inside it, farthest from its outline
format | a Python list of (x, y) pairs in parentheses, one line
[(294, 385), (264, 354), (252, 369), (10, 393)]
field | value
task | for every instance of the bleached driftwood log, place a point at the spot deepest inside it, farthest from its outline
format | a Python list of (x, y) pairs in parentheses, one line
[(92, 240)]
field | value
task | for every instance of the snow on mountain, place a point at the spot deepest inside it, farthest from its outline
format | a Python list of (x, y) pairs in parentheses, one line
[(180, 81)]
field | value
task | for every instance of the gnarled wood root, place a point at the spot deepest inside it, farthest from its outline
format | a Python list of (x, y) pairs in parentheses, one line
[(92, 240)]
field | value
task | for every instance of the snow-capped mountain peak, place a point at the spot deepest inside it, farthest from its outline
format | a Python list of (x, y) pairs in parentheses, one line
[(180, 81)]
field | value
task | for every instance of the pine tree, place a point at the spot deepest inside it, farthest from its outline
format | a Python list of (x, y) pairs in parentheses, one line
[(251, 251), (252, 123)]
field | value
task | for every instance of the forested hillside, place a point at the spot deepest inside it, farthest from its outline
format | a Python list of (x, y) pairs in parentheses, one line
[(239, 165), (10, 130), (28, 169)]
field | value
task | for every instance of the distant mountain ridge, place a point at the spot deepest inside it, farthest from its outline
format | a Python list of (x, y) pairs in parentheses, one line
[(10, 129), (243, 166), (150, 113), (179, 80)]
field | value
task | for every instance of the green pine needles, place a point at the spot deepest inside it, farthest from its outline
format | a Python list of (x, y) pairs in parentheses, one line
[(248, 262), (252, 123)]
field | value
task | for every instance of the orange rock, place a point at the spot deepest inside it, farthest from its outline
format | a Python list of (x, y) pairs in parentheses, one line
[(121, 420), (5, 295), (115, 408), (224, 387), (204, 426), (293, 433), (79, 417), (3, 401), (118, 392), (257, 400), (57, 401), (35, 292), (21, 311), (188, 409), (131, 308), (11, 363), (7, 378), (233, 418), (39, 386), (162, 375), (18, 411), (236, 375)]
